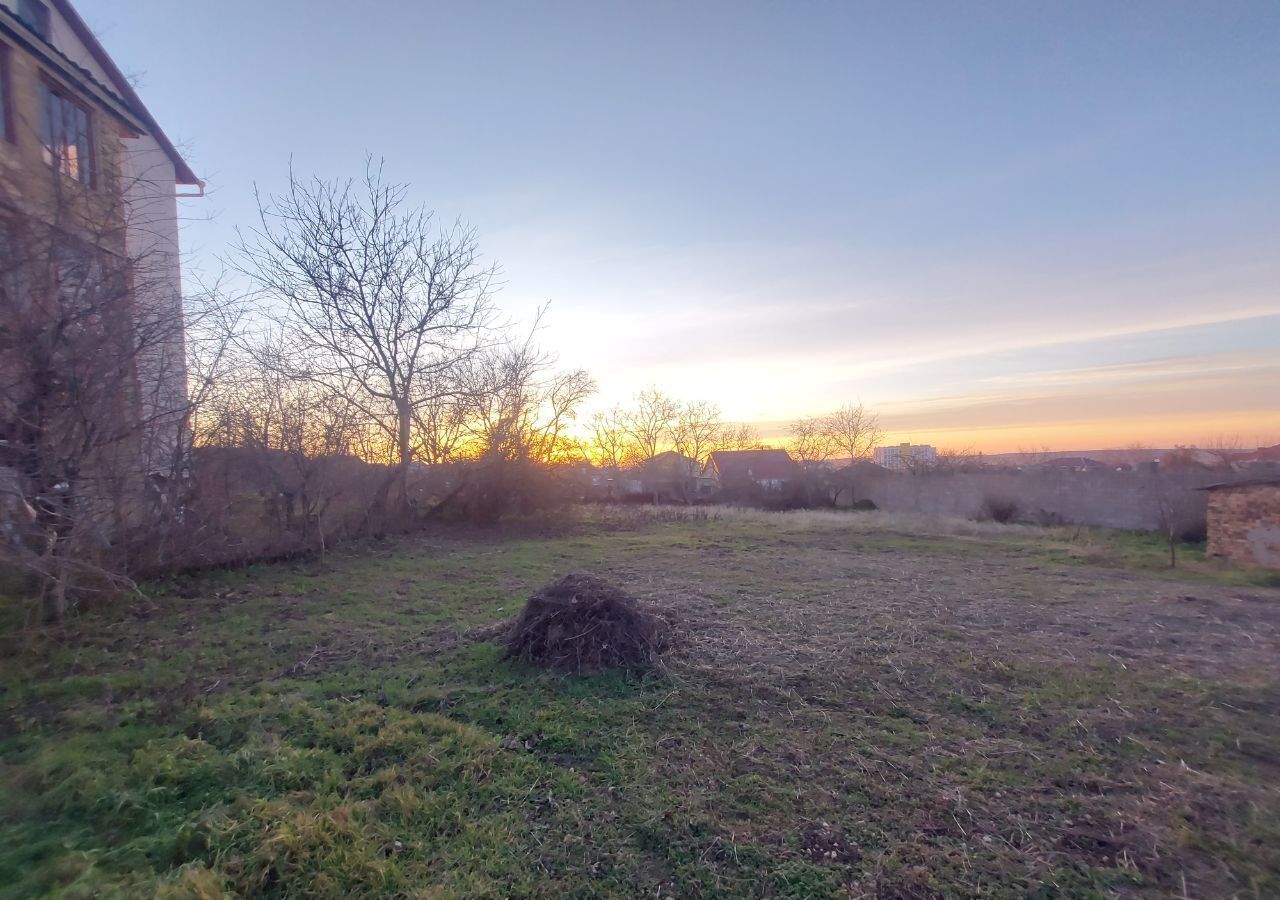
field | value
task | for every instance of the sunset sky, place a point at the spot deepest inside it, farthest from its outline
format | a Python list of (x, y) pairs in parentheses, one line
[(1001, 225)]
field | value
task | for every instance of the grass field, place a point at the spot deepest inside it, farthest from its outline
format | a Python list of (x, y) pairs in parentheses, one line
[(858, 706)]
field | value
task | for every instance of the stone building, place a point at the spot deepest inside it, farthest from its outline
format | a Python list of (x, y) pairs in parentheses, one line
[(1244, 522), (89, 188)]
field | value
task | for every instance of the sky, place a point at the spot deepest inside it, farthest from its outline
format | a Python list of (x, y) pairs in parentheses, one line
[(1000, 225)]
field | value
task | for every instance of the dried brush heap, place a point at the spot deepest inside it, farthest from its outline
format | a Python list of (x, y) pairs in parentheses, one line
[(581, 623)]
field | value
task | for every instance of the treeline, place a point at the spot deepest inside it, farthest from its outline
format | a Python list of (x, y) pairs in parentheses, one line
[(629, 436)]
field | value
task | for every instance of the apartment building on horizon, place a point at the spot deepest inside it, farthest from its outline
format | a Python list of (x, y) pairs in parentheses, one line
[(900, 457)]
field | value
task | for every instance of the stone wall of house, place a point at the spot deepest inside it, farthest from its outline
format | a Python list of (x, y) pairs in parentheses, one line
[(1244, 524), (126, 221), (1144, 501)]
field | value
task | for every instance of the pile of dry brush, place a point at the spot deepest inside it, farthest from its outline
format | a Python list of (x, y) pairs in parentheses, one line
[(581, 623)]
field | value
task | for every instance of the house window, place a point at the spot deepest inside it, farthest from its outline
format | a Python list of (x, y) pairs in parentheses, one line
[(36, 15), (65, 133)]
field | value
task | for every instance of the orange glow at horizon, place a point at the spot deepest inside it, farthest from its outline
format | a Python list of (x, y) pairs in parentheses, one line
[(1248, 429)]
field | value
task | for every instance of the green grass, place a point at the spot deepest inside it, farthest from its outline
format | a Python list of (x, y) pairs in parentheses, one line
[(326, 728), (1146, 552)]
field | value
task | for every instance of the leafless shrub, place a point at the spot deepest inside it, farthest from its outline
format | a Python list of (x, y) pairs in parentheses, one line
[(93, 406), (997, 508), (1183, 517)]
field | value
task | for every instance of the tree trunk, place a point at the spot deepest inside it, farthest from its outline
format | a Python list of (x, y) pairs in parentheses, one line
[(55, 593), (404, 449), (404, 423)]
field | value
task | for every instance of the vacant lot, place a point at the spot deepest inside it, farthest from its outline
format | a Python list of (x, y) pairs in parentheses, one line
[(859, 706)]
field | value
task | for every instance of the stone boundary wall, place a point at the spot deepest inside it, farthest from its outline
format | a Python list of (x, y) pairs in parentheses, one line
[(1132, 500), (1245, 524)]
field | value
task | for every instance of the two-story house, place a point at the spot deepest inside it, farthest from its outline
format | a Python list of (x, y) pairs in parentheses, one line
[(90, 280)]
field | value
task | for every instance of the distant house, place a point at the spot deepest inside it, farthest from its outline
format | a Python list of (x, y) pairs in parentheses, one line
[(672, 477), (900, 457), (1073, 464), (1260, 456), (609, 483), (739, 470), (1244, 522), (606, 484)]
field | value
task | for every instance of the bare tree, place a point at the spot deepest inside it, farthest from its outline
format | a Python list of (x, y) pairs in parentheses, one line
[(213, 336), (1030, 457), (952, 459), (517, 407), (697, 431), (649, 423), (290, 435), (739, 437), (1223, 450), (853, 432), (557, 409), (609, 441), (517, 410), (381, 302), (312, 429), (811, 442), (439, 428)]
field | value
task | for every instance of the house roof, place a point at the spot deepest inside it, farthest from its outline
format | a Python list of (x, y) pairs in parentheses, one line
[(669, 463), (1251, 482), (1073, 462), (758, 464), (125, 89), (669, 455), (1262, 454), (67, 69)]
